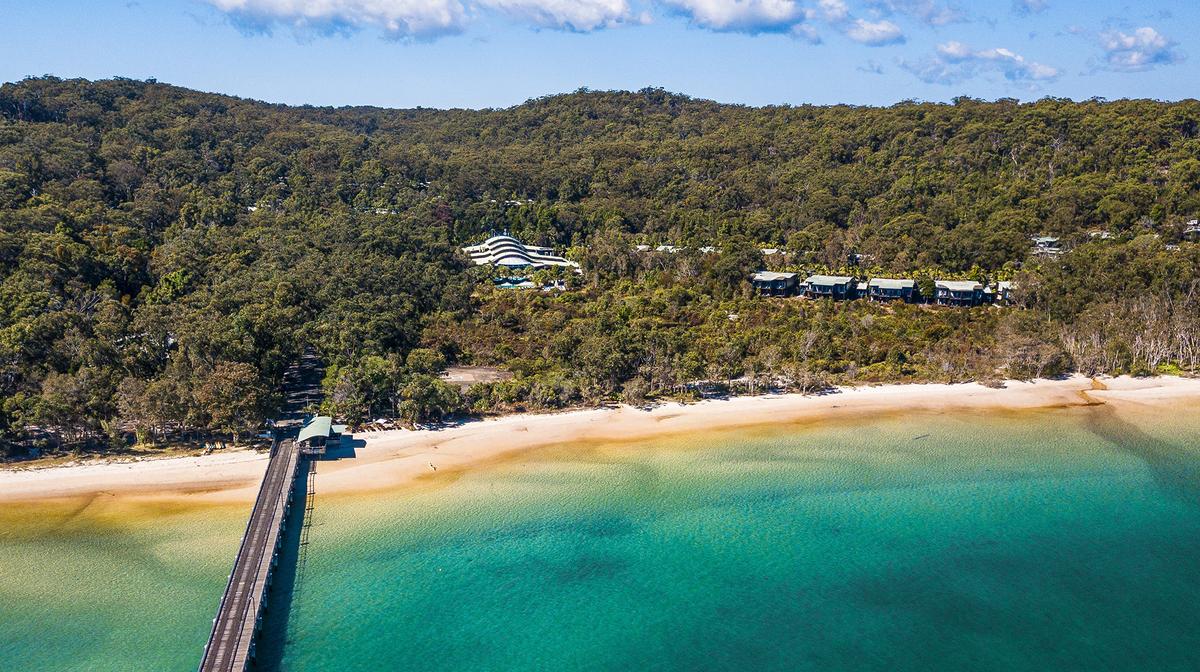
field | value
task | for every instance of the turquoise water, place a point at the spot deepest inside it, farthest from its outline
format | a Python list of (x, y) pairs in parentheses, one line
[(97, 585), (1065, 539)]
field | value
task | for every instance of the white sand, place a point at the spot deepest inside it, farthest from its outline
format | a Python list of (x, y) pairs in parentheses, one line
[(395, 458)]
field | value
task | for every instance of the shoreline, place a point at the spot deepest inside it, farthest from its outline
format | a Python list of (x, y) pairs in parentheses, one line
[(397, 458)]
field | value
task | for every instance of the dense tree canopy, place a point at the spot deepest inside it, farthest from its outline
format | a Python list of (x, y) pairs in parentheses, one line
[(165, 254)]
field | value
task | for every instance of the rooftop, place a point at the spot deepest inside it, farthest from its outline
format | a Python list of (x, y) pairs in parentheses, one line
[(892, 283), (828, 279), (316, 426), (508, 251), (771, 276), (958, 285)]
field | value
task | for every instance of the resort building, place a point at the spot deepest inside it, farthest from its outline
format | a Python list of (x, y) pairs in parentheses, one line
[(318, 433), (830, 286), (958, 293), (1047, 246), (514, 283), (1001, 292), (769, 283), (892, 289), (509, 252)]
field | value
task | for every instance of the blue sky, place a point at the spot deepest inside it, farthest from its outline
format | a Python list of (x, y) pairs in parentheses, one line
[(496, 53)]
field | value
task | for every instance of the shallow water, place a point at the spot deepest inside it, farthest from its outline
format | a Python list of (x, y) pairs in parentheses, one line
[(1058, 539)]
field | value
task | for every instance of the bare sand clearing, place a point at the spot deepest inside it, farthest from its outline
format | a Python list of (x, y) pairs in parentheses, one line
[(386, 460)]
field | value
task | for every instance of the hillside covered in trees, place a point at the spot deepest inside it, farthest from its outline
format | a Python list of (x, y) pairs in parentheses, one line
[(165, 253)]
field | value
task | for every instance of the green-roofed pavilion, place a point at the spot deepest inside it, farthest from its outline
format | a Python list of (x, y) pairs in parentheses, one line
[(315, 431)]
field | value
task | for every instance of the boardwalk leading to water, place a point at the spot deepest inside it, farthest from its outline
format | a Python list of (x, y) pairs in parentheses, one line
[(231, 645)]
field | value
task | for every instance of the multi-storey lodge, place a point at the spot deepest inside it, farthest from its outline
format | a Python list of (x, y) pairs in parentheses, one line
[(511, 253)]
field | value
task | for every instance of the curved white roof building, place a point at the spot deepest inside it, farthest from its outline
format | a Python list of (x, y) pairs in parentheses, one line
[(510, 252)]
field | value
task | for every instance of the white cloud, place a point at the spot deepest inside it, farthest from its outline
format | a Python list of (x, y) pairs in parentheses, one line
[(396, 18), (422, 18), (871, 33), (929, 12), (749, 16), (833, 10), (762, 16), (955, 62), (874, 33), (806, 32), (1142, 50), (579, 15)]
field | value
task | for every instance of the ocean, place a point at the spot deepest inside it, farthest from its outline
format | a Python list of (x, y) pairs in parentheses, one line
[(1054, 539)]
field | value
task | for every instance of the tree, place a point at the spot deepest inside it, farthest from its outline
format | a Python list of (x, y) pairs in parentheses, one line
[(428, 399), (233, 398), (423, 361)]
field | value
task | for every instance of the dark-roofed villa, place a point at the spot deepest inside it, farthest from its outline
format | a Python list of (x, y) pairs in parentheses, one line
[(1001, 292), (770, 283), (892, 289), (829, 286), (1047, 246), (958, 293)]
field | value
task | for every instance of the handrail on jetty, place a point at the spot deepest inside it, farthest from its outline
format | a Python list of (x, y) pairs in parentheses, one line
[(230, 647)]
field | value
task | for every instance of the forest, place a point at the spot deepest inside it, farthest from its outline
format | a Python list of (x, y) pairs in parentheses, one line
[(165, 254)]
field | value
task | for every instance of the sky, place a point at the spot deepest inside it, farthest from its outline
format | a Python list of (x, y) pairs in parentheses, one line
[(498, 53)]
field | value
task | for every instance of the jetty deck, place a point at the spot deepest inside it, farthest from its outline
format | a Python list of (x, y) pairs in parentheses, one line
[(231, 645)]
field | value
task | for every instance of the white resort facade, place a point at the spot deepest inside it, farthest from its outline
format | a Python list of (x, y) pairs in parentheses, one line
[(509, 252)]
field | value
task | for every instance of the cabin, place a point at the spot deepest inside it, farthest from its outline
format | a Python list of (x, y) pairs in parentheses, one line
[(1192, 230), (1047, 246), (1000, 293), (958, 293), (836, 287), (770, 283), (892, 289), (318, 433)]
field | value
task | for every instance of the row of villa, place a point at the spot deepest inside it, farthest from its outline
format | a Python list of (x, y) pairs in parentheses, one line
[(844, 287)]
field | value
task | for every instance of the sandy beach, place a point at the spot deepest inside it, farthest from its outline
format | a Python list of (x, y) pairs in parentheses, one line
[(385, 460)]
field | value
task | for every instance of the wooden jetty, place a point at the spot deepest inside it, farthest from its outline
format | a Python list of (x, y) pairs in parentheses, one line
[(231, 645)]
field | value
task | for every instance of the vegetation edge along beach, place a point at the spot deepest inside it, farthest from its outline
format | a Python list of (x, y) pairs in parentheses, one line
[(395, 458)]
